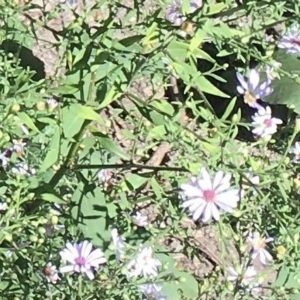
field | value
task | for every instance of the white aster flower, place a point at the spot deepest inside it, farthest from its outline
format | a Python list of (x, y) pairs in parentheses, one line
[(80, 258), (264, 125), (3, 206), (119, 244), (291, 40), (140, 219), (258, 245), (252, 89), (51, 273), (246, 277), (204, 196), (23, 169), (144, 264), (5, 157), (295, 150), (152, 291)]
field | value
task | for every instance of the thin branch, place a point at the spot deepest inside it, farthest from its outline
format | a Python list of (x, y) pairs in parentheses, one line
[(130, 166)]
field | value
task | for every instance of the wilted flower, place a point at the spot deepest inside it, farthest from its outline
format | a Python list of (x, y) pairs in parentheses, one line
[(258, 245), (140, 219), (252, 89), (144, 264), (174, 12), (263, 123), (18, 147), (50, 272), (80, 258), (152, 291), (291, 40), (119, 244), (105, 177), (204, 196), (245, 276), (296, 152)]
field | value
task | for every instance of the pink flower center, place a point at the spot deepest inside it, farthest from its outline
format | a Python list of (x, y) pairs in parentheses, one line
[(209, 195), (80, 261), (296, 41), (268, 122)]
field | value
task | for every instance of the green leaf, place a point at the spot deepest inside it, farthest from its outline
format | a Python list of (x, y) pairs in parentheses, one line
[(163, 106), (286, 90), (27, 121), (53, 153), (110, 146), (71, 122), (52, 198), (229, 109), (90, 213), (206, 86), (136, 181)]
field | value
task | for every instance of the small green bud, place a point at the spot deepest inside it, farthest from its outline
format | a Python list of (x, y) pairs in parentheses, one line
[(33, 238), (235, 119), (54, 220), (41, 105), (297, 125), (15, 108)]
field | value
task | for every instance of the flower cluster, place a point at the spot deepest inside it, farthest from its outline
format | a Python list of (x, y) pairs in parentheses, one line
[(263, 122), (247, 275)]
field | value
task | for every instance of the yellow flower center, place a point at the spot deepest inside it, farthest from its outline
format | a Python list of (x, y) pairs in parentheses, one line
[(249, 98)]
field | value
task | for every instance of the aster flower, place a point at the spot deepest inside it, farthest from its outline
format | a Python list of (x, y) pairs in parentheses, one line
[(22, 169), (291, 40), (258, 245), (264, 125), (105, 177), (246, 277), (52, 104), (152, 291), (80, 258), (174, 12), (205, 195), (144, 264), (51, 273), (3, 206), (119, 244), (252, 89), (295, 150), (140, 219), (5, 157)]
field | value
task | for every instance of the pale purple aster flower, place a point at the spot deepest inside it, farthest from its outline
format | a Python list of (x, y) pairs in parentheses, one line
[(52, 104), (258, 245), (152, 291), (295, 150), (291, 40), (51, 273), (144, 264), (140, 219), (80, 258), (174, 12), (264, 125), (252, 89), (246, 277), (205, 195), (119, 244)]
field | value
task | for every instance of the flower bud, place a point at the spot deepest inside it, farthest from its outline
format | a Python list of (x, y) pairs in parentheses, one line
[(15, 108), (297, 125)]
